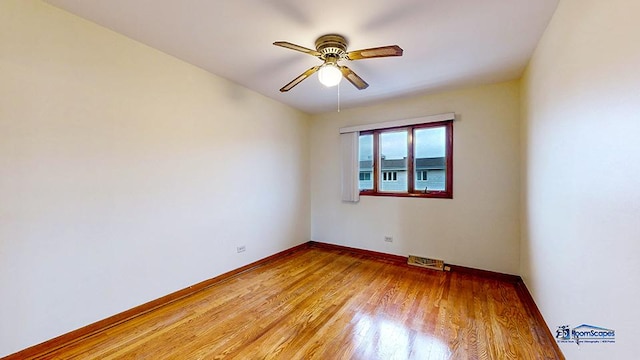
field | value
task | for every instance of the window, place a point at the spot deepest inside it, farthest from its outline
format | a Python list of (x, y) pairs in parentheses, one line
[(389, 176), (413, 161), (365, 155)]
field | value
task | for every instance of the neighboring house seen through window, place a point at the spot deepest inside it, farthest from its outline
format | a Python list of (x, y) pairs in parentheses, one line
[(411, 161)]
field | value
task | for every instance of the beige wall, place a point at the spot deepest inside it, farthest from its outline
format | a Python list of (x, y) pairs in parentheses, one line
[(479, 227), (126, 174), (581, 171)]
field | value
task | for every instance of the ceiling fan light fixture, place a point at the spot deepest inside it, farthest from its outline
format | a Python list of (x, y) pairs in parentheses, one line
[(329, 75)]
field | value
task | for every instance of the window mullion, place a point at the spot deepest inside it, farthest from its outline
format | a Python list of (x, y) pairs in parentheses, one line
[(376, 162), (410, 162)]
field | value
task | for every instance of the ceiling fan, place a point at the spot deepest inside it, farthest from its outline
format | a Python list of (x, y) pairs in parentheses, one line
[(332, 48)]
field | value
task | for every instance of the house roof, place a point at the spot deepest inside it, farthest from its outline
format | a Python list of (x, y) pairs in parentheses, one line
[(435, 163), (431, 163)]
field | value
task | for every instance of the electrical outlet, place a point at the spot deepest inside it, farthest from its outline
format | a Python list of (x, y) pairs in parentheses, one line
[(388, 238), (241, 248)]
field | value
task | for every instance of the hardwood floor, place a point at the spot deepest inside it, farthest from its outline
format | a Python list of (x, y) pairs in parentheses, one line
[(331, 304)]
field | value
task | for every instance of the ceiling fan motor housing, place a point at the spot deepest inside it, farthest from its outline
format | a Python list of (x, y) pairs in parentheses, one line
[(332, 47)]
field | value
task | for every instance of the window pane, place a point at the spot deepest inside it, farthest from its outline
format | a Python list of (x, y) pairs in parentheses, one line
[(393, 160), (430, 162), (366, 162)]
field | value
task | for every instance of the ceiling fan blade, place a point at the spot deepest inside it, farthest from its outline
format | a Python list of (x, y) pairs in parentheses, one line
[(299, 79), (384, 51), (353, 78), (295, 47)]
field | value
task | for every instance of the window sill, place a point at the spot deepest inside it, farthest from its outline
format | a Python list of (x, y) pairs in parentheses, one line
[(431, 194)]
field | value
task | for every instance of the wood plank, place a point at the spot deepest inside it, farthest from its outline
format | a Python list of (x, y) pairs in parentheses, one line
[(326, 302)]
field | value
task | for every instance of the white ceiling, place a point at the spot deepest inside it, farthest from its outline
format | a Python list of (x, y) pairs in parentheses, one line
[(446, 44)]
